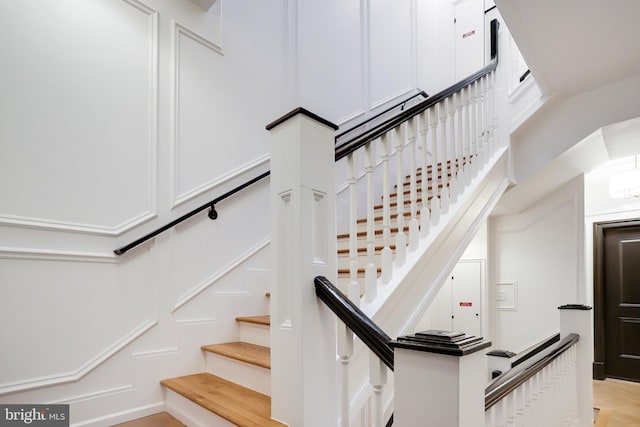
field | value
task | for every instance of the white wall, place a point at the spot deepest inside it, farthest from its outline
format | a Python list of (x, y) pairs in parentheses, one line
[(541, 250), (118, 116)]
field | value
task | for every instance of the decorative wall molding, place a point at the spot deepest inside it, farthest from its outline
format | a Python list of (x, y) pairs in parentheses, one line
[(178, 32), (156, 353), (54, 255), (117, 230), (95, 395), (222, 179), (209, 281), (392, 97), (205, 4), (78, 374), (70, 227)]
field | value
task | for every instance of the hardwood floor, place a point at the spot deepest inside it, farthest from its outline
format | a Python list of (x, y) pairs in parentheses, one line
[(622, 398), (162, 419)]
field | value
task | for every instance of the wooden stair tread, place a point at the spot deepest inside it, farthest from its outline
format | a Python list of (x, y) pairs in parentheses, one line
[(162, 419), (376, 232), (260, 320), (238, 405), (376, 249), (360, 270), (250, 353)]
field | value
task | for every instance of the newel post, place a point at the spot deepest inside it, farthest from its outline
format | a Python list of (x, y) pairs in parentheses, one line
[(440, 379), (576, 319), (303, 246)]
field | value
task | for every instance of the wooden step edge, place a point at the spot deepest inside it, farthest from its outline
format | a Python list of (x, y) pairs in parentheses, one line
[(237, 404), (245, 352), (376, 249), (379, 218), (259, 320), (360, 270), (161, 419), (375, 232)]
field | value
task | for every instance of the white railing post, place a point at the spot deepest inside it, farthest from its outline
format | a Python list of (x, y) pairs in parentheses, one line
[(436, 384), (370, 272), (576, 318), (303, 246), (378, 379), (353, 289)]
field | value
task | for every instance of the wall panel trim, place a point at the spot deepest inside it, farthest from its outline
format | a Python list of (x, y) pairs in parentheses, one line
[(209, 281), (78, 374)]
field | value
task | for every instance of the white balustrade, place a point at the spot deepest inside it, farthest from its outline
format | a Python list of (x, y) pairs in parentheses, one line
[(419, 170)]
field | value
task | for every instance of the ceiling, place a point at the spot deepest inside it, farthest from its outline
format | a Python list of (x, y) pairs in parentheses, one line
[(570, 45)]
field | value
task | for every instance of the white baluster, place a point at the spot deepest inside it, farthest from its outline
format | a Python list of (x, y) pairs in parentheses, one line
[(425, 215), (370, 272), (492, 111), (459, 143), (353, 290), (413, 195), (466, 152), (510, 405), (378, 379), (453, 152), (519, 409), (401, 238), (435, 189), (345, 353), (474, 128), (387, 254), (481, 121), (444, 192)]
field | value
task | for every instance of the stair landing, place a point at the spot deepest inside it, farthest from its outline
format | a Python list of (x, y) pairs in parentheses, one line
[(238, 405)]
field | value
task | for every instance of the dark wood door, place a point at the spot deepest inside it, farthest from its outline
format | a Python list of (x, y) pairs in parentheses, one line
[(621, 273)]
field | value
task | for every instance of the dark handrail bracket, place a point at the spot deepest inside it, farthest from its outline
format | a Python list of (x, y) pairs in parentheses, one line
[(213, 214)]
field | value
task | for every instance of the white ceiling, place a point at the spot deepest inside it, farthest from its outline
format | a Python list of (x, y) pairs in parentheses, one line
[(570, 45)]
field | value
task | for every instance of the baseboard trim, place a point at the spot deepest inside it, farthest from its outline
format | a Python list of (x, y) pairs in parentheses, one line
[(122, 417)]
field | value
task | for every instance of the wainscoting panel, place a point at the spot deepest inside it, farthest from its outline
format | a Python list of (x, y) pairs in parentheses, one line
[(75, 164)]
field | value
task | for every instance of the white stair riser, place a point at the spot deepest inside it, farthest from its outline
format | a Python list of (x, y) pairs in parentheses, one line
[(191, 414), (254, 333), (251, 376)]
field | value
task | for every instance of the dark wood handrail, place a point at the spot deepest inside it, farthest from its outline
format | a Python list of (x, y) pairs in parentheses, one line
[(370, 333), (536, 350), (366, 137), (514, 378), (343, 149), (213, 214), (370, 119)]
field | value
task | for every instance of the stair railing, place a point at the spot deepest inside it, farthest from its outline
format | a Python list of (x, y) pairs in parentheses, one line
[(411, 167)]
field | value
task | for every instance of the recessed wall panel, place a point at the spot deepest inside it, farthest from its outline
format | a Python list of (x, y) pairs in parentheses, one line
[(391, 49), (78, 113)]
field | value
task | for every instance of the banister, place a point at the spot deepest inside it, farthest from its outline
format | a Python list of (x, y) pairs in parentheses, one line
[(213, 214), (370, 333), (509, 381), (343, 149), (354, 144), (542, 346), (399, 104)]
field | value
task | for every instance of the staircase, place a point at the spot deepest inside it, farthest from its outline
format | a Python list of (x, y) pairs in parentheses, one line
[(452, 170), (235, 389)]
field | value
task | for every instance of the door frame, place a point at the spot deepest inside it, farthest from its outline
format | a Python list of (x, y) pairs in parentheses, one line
[(599, 229)]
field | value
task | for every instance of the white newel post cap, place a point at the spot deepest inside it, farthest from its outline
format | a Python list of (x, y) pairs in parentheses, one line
[(577, 319), (440, 377)]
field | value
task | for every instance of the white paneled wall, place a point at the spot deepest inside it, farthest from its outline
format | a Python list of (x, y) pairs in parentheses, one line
[(541, 250), (374, 52), (116, 117)]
